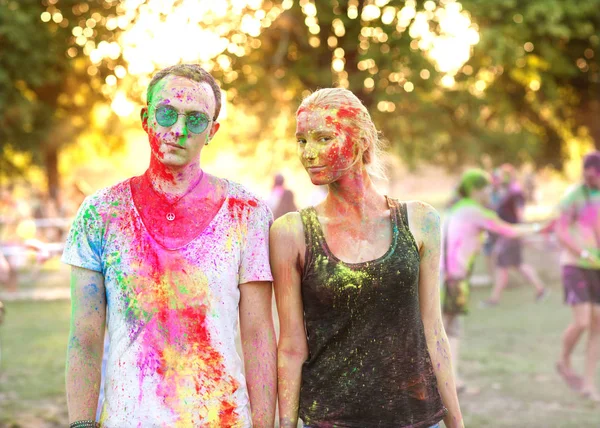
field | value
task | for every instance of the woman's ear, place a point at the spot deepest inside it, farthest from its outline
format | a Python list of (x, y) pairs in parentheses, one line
[(365, 145)]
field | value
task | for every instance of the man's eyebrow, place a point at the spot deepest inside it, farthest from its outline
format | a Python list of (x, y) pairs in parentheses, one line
[(168, 102)]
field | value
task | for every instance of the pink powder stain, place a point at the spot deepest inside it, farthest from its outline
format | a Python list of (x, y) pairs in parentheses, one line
[(176, 348), (238, 207), (176, 343)]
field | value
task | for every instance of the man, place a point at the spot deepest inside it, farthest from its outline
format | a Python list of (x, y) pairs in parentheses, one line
[(578, 231), (510, 208), (167, 259), (464, 226)]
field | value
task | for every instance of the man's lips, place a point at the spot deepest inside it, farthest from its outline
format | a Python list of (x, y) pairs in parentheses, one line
[(315, 168), (175, 145)]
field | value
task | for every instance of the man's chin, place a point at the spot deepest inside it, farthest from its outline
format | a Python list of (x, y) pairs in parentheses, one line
[(170, 160)]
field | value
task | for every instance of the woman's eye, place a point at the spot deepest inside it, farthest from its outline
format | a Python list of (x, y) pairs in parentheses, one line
[(301, 141), (324, 139)]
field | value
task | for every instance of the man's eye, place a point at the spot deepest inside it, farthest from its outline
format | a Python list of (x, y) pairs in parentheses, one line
[(301, 141), (325, 139)]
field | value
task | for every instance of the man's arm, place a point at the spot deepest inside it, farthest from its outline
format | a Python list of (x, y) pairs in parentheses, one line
[(260, 350), (86, 343), (425, 225), (285, 240)]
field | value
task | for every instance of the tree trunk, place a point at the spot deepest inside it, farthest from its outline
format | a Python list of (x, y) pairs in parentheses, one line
[(590, 117), (52, 177)]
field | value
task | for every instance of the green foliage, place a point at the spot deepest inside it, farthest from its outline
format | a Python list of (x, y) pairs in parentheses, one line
[(536, 99), (48, 85), (545, 58)]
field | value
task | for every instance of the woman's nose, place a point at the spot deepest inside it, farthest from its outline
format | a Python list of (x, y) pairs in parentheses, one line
[(310, 152)]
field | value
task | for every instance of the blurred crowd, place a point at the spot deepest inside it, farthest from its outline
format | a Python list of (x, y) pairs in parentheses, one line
[(33, 226)]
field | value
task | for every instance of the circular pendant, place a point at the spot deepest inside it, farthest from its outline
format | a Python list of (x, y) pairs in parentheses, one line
[(170, 216)]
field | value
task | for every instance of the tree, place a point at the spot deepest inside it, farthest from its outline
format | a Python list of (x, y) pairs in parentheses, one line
[(542, 60), (57, 61), (528, 91)]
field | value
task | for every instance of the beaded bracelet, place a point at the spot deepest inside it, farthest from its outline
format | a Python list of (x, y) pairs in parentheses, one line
[(85, 424)]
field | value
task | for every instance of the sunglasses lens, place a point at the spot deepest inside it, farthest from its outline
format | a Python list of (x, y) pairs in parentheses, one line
[(166, 116), (197, 122)]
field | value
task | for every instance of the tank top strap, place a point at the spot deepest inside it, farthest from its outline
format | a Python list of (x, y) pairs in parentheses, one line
[(313, 237), (401, 215), (396, 211), (312, 231), (404, 215)]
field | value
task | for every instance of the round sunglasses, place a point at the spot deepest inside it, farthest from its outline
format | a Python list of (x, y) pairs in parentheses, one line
[(195, 122)]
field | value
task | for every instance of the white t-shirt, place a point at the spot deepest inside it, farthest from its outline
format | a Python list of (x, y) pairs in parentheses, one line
[(172, 314), (463, 237), (582, 208)]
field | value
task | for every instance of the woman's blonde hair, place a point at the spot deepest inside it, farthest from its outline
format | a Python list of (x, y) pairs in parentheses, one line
[(340, 98)]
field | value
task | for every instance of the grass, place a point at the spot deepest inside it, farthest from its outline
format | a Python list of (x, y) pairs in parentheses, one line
[(34, 343), (508, 355)]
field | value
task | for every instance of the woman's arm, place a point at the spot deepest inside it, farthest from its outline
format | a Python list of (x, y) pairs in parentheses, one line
[(286, 242), (86, 343), (424, 224)]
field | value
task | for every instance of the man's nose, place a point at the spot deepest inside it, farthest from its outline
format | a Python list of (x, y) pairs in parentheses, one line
[(179, 128)]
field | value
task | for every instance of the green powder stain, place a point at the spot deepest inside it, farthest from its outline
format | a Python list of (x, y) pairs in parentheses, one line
[(352, 279)]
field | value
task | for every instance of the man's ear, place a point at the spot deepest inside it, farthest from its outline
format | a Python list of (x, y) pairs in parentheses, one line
[(144, 118), (214, 129)]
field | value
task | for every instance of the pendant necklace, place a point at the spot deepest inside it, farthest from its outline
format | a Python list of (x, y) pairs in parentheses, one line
[(170, 212)]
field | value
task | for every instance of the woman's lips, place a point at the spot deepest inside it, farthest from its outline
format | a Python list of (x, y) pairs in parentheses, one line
[(315, 169)]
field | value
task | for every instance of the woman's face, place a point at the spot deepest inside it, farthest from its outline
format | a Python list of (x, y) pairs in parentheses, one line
[(329, 143)]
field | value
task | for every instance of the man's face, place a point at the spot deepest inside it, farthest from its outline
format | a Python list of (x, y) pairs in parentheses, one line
[(482, 195), (591, 176), (176, 145)]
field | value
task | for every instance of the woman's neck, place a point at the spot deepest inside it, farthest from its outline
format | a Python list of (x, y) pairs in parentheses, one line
[(354, 195)]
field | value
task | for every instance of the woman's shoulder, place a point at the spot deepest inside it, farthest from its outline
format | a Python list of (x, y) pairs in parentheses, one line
[(288, 229), (421, 214)]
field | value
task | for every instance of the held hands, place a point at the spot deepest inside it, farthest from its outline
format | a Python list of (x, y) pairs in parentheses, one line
[(528, 230), (590, 259)]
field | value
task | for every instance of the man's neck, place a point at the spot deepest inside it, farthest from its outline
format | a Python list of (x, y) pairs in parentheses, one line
[(173, 182)]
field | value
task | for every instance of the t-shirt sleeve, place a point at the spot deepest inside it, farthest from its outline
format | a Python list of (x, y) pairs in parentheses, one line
[(571, 201), (254, 265), (481, 217), (83, 247)]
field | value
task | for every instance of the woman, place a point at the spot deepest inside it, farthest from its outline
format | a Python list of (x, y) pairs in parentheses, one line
[(360, 270)]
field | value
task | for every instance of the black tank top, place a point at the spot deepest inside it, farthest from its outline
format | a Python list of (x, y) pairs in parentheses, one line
[(368, 363)]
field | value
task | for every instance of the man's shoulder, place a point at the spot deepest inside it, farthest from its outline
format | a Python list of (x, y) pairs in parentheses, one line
[(575, 194), (108, 198), (474, 211), (239, 196)]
